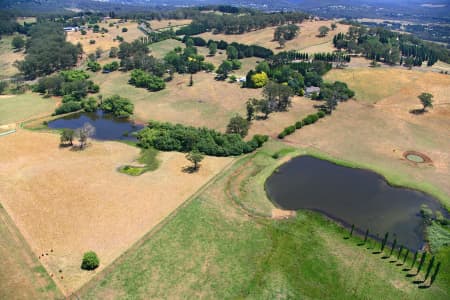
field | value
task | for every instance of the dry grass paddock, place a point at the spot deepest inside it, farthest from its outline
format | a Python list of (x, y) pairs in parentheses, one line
[(107, 40), (208, 103), (306, 41), (378, 127), (157, 25), (8, 56), (68, 202)]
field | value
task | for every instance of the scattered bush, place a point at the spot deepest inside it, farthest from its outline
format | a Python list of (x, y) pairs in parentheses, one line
[(321, 114), (93, 66), (90, 261)]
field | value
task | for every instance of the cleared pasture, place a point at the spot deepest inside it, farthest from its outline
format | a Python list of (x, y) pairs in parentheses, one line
[(8, 56), (377, 127), (208, 103), (106, 40), (303, 42), (68, 202), (16, 108)]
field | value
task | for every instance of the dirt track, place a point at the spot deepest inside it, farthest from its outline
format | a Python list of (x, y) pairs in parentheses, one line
[(72, 202)]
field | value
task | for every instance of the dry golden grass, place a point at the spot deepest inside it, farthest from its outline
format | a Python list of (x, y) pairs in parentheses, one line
[(72, 202), (7, 57), (377, 134), (208, 103), (156, 25), (106, 40), (306, 41)]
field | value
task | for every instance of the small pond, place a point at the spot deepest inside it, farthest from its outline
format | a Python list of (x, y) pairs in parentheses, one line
[(351, 196), (107, 127)]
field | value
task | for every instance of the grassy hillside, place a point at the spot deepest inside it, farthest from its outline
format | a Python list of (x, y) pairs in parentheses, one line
[(212, 248)]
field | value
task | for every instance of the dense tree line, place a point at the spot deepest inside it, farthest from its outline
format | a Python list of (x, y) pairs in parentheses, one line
[(390, 47), (238, 24), (170, 137), (332, 57), (47, 51), (285, 57), (242, 49)]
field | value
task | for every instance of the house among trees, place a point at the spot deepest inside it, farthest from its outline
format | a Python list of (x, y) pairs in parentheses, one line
[(311, 90)]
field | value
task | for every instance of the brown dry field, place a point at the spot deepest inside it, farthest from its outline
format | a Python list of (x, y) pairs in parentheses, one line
[(105, 41), (277, 121), (306, 41), (377, 127), (72, 202), (156, 25), (7, 57), (208, 103)]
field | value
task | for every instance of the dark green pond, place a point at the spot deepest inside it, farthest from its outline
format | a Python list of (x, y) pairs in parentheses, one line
[(107, 127), (351, 196)]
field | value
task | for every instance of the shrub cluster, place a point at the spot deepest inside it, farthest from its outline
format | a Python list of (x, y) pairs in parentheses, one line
[(140, 78), (90, 261), (310, 119), (170, 137)]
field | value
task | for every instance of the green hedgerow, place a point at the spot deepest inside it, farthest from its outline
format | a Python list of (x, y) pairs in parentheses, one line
[(90, 261)]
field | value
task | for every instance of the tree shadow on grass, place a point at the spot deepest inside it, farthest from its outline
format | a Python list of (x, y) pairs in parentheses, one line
[(417, 111), (190, 169)]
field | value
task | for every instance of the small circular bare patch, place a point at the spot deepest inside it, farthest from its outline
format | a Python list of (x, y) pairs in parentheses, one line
[(416, 157)]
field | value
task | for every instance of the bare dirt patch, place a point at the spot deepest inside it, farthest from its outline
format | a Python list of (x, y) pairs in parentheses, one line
[(306, 39), (71, 202)]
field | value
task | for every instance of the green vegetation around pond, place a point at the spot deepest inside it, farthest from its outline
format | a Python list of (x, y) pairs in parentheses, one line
[(148, 162), (215, 248)]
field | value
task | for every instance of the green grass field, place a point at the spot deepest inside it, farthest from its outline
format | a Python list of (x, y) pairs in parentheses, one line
[(21, 274), (213, 248), (160, 49), (15, 108)]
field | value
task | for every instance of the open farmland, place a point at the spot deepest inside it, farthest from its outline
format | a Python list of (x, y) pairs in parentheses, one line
[(7, 57), (208, 103), (163, 24), (16, 108), (215, 249), (377, 127), (67, 202), (306, 41), (22, 275), (106, 40)]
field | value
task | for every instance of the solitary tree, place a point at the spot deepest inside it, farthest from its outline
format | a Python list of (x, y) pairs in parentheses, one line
[(414, 259), (238, 125), (406, 255), (223, 70), (90, 261), (212, 48), (98, 52), (430, 266), (3, 86), (323, 31), (282, 42), (422, 260), (427, 100), (18, 42), (113, 52), (195, 157), (333, 26), (191, 81), (250, 110), (436, 271), (232, 52), (67, 136), (84, 133)]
